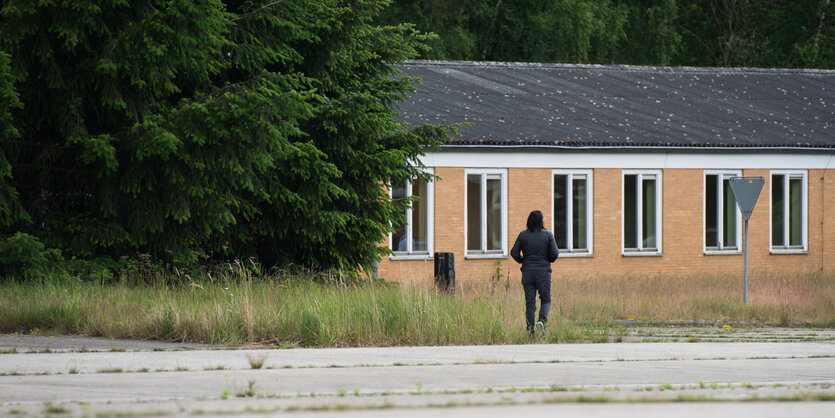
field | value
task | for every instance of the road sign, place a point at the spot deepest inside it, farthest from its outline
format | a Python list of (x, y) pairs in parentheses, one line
[(746, 191)]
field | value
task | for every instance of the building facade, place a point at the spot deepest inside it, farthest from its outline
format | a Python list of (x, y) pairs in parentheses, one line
[(629, 165)]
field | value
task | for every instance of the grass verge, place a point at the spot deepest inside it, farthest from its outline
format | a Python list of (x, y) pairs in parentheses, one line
[(298, 312)]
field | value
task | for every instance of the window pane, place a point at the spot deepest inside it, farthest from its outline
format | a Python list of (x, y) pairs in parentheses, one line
[(474, 212), (728, 215), (560, 210), (711, 204), (648, 219), (795, 212), (579, 215), (419, 213), (777, 210), (399, 237), (630, 209), (494, 214)]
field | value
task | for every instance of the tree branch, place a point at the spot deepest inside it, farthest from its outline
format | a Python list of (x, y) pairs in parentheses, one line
[(268, 5)]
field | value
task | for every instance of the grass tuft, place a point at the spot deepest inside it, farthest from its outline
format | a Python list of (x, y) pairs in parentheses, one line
[(256, 362), (249, 392)]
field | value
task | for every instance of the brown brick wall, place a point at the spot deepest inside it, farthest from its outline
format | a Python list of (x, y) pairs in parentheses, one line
[(682, 229)]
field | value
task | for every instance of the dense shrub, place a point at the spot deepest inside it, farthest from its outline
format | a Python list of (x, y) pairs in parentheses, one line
[(24, 256)]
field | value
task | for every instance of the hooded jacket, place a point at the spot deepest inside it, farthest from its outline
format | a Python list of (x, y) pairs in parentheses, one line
[(535, 250)]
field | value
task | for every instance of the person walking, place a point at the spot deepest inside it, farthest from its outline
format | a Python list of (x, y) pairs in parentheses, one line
[(535, 249)]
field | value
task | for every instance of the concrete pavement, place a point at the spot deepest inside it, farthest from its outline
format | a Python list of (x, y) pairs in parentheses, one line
[(235, 359), (406, 379)]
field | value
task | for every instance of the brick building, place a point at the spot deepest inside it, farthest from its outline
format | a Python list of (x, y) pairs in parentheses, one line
[(630, 166)]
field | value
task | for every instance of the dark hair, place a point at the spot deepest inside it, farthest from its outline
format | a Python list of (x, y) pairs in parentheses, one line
[(535, 221)]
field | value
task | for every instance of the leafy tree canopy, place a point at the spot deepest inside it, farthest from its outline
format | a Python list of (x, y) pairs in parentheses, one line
[(183, 128), (757, 33)]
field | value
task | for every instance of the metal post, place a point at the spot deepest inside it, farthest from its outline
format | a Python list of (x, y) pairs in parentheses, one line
[(746, 190), (745, 269)]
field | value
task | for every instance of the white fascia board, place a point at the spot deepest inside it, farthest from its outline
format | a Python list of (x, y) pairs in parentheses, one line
[(638, 160)]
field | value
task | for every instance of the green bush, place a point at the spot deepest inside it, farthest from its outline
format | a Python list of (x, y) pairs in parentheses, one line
[(24, 256)]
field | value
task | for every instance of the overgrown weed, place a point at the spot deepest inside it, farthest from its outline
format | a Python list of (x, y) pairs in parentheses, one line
[(296, 308)]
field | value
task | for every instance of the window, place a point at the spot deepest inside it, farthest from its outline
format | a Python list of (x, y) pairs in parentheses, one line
[(486, 209), (642, 212), (722, 217), (414, 238), (788, 211), (573, 211)]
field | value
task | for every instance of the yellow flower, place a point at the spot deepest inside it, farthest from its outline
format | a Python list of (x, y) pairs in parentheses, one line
[(726, 326)]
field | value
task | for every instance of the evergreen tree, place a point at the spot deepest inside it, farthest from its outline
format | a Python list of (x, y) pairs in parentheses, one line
[(189, 127), (10, 209), (764, 33)]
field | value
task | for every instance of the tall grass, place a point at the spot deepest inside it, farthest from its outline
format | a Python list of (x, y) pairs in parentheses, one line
[(295, 311), (802, 299)]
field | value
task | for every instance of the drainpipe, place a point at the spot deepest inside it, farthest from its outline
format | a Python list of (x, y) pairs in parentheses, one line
[(823, 212), (374, 266)]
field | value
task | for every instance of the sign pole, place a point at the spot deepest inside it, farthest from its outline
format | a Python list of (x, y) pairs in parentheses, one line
[(746, 190), (745, 271)]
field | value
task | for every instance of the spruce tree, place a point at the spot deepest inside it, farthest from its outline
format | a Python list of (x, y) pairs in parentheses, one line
[(187, 128)]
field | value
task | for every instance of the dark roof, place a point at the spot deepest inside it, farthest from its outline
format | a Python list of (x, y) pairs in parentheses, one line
[(521, 104)]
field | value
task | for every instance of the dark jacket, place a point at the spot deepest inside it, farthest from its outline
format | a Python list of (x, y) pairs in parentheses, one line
[(538, 250)]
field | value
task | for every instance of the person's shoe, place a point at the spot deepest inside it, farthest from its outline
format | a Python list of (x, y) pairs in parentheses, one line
[(540, 328)]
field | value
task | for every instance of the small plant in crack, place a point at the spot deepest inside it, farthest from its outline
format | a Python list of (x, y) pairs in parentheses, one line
[(249, 392), (256, 362), (55, 409)]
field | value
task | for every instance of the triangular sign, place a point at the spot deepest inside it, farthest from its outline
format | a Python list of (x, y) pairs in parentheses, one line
[(746, 191)]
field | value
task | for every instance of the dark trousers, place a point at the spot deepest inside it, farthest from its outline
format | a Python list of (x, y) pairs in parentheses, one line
[(532, 282)]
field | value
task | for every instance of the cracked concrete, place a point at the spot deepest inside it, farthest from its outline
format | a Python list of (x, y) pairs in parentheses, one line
[(462, 380)]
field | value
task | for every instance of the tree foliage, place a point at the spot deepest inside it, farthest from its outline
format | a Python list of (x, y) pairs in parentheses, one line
[(205, 127), (761, 33)]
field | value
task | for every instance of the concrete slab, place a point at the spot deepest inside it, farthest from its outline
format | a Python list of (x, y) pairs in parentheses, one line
[(406, 379), (606, 410), (445, 405), (75, 343), (92, 362)]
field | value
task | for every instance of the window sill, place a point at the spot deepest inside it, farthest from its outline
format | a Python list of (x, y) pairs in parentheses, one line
[(722, 252), (641, 254), (575, 255), (397, 257), (479, 256), (776, 251)]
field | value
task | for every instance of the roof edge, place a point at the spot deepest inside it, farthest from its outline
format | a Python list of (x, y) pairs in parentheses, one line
[(638, 148), (619, 67)]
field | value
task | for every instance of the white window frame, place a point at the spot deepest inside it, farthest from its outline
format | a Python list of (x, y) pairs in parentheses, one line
[(722, 174), (484, 172), (658, 213), (410, 254), (587, 173), (804, 222)]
